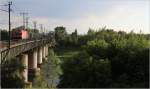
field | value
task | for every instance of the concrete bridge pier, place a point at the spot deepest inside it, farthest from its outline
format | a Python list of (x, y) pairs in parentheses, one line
[(39, 57), (32, 63), (24, 62), (46, 52), (43, 52), (33, 59)]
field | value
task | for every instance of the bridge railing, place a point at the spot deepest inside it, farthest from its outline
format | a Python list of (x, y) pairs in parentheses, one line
[(21, 47)]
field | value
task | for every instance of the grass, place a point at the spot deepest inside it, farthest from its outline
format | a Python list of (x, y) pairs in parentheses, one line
[(66, 53)]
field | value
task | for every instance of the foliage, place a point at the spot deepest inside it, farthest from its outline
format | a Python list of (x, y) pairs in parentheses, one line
[(108, 59), (97, 48), (82, 71), (10, 74), (60, 35), (4, 35), (64, 39), (50, 71)]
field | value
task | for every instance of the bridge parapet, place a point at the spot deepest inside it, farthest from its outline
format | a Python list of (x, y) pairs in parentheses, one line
[(16, 49)]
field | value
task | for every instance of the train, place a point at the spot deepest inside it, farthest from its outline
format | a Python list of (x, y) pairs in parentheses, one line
[(19, 33)]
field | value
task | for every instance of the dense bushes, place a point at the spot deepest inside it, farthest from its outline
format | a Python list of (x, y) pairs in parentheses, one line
[(83, 71), (109, 59), (10, 74), (4, 35), (97, 49)]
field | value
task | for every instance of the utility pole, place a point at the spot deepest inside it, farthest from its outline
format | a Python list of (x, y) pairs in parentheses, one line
[(45, 31), (41, 28), (23, 16), (35, 27), (9, 10), (27, 21)]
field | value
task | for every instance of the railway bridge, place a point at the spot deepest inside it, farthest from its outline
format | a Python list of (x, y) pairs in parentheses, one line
[(31, 55)]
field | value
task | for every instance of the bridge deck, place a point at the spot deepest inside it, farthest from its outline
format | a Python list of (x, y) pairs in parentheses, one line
[(4, 44), (19, 47)]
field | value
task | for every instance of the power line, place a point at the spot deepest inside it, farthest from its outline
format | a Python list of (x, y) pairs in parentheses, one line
[(35, 25), (41, 28), (4, 5), (24, 18), (3, 23), (27, 21), (3, 10)]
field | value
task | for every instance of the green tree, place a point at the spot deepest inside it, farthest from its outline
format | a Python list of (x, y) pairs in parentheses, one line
[(4, 35), (83, 71), (60, 35), (10, 74), (49, 73), (109, 59), (74, 38), (97, 48)]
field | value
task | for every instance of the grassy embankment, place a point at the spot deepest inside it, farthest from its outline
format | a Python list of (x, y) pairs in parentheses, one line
[(66, 53)]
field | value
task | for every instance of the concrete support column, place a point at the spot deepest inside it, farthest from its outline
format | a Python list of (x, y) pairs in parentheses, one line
[(46, 53), (24, 62), (39, 61), (33, 59), (43, 51), (46, 50)]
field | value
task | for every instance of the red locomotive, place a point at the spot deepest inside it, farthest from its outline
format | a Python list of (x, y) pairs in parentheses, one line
[(19, 33)]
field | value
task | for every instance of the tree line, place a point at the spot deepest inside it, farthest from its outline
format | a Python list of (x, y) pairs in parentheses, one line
[(107, 59)]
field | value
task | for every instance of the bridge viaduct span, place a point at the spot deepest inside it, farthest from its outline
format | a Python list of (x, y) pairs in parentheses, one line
[(31, 55)]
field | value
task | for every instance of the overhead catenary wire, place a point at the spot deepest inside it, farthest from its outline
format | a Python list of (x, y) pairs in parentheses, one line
[(24, 14), (3, 10), (4, 5), (16, 18)]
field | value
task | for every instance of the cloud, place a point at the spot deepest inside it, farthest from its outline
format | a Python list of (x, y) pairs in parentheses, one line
[(124, 15), (119, 15), (2, 1)]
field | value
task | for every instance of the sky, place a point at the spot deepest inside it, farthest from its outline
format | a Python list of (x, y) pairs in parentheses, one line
[(124, 15)]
